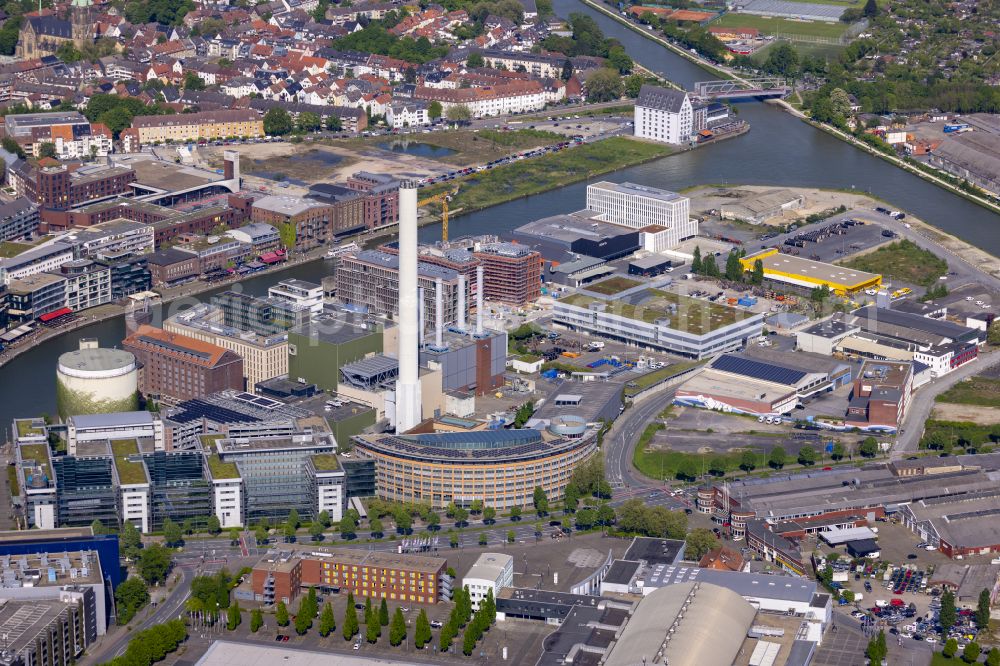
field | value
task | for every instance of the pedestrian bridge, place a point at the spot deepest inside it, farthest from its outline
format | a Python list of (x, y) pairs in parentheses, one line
[(770, 86)]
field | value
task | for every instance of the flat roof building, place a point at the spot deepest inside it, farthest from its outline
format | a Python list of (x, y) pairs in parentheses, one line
[(492, 572), (640, 206), (808, 274)]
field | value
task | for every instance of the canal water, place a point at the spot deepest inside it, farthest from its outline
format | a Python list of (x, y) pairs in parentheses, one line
[(778, 150)]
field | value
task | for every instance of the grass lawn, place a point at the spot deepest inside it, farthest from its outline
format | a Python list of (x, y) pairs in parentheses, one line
[(12, 484), (8, 249), (771, 26), (903, 260), (470, 147), (612, 285), (540, 174), (664, 464), (981, 391), (684, 314), (822, 51), (657, 376)]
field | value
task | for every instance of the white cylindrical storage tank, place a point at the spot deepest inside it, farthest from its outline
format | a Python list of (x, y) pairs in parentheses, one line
[(96, 381)]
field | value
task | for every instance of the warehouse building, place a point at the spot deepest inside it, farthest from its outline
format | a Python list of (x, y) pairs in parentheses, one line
[(961, 525), (806, 274), (53, 628), (824, 336), (759, 208), (759, 383), (560, 237)]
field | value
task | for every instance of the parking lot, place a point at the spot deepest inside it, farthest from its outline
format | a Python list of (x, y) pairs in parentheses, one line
[(834, 240)]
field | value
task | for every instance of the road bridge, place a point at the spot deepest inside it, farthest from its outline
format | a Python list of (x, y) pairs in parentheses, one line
[(768, 86)]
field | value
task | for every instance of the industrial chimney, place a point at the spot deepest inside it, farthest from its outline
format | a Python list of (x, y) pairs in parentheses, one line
[(408, 383)]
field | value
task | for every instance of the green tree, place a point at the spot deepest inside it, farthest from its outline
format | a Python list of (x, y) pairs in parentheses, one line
[(948, 613), (983, 610), (447, 635), (372, 628), (687, 469), (130, 597), (422, 631), (489, 515), (434, 110), (98, 527), (277, 122), (256, 620), (281, 614), (333, 123), (324, 519), (316, 530), (993, 658), (350, 619), (950, 648), (511, 537), (469, 640), (869, 447), (970, 654), (515, 513), (327, 624), (383, 614), (604, 85), (47, 149), (375, 527), (734, 270), (193, 82), (757, 277), (571, 498), (233, 616), (474, 60), (154, 564), (776, 458), (213, 526), (871, 9), (459, 113), (748, 460), (840, 102), (172, 533), (586, 518), (807, 456), (397, 632), (838, 451), (696, 266), (620, 60), (309, 122), (709, 267), (782, 60), (131, 540), (540, 501), (699, 541), (304, 618), (482, 539), (260, 534)]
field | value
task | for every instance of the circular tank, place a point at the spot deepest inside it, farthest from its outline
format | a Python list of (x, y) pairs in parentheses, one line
[(568, 425), (96, 381)]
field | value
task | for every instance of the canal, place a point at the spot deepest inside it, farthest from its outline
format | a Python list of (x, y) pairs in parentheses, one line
[(778, 150)]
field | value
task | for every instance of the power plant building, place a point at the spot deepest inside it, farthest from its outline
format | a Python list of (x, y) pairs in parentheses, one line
[(93, 380)]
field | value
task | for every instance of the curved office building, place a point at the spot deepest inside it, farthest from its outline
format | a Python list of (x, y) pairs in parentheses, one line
[(499, 467)]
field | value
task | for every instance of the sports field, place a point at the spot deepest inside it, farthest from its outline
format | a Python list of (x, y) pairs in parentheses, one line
[(774, 26)]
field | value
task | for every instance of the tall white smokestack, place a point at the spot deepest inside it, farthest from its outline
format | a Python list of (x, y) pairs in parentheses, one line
[(438, 314), (479, 300), (408, 383), (461, 301)]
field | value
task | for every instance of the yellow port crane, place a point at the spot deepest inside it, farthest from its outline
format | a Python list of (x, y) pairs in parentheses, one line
[(443, 198)]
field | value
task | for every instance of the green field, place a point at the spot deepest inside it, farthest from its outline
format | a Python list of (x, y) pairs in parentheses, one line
[(773, 26), (612, 285), (8, 249), (903, 260), (540, 174), (979, 391), (822, 51)]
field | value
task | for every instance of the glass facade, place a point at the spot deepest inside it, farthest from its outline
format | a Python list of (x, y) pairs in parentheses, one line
[(86, 491), (179, 489)]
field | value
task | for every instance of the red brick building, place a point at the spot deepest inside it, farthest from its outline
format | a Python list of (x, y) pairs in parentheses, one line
[(511, 273), (401, 578), (177, 368)]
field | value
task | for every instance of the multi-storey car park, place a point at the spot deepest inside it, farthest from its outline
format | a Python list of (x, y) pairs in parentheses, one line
[(501, 468)]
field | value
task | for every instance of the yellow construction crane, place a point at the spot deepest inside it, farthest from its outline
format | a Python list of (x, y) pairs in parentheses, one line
[(443, 199)]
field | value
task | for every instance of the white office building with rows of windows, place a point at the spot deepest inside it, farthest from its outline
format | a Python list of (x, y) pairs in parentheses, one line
[(664, 217)]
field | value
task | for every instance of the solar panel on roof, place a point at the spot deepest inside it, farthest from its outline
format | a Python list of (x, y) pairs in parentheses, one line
[(748, 367)]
